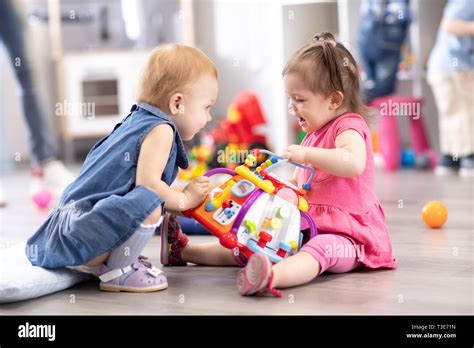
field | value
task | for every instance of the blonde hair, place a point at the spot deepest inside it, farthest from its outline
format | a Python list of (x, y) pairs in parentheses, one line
[(327, 66), (168, 70)]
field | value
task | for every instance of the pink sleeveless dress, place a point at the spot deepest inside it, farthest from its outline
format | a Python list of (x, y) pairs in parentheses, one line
[(349, 206)]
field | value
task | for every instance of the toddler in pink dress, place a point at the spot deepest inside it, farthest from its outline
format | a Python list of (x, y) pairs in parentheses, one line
[(322, 83), (346, 209)]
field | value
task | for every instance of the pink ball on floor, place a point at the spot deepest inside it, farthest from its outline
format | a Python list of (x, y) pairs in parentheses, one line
[(42, 198)]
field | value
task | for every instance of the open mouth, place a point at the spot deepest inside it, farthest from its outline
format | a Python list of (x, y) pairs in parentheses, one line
[(301, 121)]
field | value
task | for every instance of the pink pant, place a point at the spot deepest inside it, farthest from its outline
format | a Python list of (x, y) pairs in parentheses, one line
[(334, 252)]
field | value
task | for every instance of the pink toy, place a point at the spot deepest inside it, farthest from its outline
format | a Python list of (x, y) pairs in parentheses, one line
[(42, 198), (389, 139)]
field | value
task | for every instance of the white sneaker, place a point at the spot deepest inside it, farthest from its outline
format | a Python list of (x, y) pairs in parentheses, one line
[(445, 171), (56, 176), (3, 199), (466, 172), (467, 167)]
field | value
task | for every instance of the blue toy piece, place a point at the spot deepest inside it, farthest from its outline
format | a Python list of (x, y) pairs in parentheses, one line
[(408, 158), (285, 246)]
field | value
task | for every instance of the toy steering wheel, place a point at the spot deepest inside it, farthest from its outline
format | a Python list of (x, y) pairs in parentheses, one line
[(306, 186)]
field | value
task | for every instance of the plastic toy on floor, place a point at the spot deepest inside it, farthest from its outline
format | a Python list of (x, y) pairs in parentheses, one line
[(198, 157), (256, 211), (41, 196), (240, 131), (391, 109), (434, 214)]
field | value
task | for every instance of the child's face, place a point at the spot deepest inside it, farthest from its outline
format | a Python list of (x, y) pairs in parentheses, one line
[(195, 107), (312, 110)]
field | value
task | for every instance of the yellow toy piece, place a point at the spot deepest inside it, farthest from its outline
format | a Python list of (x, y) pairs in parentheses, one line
[(246, 173), (266, 224), (266, 185), (233, 114), (198, 157), (250, 161), (302, 204), (275, 223), (192, 173), (293, 244)]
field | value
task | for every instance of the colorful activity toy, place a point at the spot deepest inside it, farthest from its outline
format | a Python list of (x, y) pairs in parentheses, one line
[(255, 211)]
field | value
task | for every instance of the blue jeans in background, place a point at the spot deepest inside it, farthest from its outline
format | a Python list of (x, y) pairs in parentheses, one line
[(380, 50), (12, 35)]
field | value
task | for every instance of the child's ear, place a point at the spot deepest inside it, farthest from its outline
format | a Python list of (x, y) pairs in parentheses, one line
[(336, 100), (176, 104)]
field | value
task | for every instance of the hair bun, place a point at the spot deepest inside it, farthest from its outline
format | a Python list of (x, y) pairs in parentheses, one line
[(324, 37)]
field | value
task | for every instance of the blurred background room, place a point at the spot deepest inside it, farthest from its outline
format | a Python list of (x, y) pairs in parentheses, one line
[(81, 62)]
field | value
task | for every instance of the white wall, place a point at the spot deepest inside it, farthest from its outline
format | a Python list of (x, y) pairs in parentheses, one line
[(234, 34)]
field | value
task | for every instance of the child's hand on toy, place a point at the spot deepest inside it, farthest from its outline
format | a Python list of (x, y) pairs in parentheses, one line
[(196, 191), (295, 153)]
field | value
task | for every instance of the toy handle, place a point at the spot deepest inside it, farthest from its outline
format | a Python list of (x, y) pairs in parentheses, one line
[(306, 185), (313, 230), (219, 171)]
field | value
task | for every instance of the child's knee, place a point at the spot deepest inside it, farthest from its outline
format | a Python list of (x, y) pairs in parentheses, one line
[(154, 217)]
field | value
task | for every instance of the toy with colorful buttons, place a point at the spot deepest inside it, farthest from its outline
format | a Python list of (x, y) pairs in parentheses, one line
[(255, 211)]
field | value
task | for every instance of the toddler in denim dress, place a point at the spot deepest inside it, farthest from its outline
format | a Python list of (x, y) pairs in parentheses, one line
[(108, 214)]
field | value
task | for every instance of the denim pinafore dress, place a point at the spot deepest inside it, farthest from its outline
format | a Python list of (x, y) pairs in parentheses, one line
[(102, 208)]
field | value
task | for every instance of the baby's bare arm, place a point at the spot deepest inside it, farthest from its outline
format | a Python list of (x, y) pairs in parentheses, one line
[(346, 160), (458, 27), (154, 154)]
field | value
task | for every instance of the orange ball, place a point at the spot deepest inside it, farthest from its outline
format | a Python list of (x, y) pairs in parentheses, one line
[(434, 214)]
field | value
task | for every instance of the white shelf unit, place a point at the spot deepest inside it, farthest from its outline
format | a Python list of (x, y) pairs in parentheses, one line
[(89, 76), (106, 78)]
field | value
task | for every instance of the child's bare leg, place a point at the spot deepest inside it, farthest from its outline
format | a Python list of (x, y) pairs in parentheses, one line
[(295, 270), (151, 219), (98, 260), (210, 254)]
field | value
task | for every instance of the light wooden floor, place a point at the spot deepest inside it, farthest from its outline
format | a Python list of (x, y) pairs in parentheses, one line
[(435, 273)]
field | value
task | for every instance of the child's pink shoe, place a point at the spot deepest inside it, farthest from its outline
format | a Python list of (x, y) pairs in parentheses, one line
[(173, 240), (257, 277), (140, 276)]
